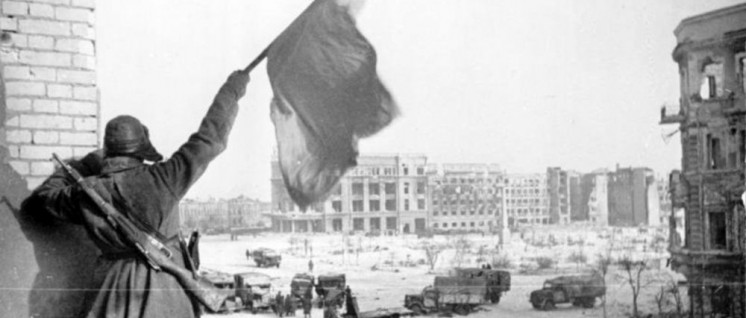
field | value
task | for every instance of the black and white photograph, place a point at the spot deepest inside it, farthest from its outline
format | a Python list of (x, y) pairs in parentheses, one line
[(372, 158)]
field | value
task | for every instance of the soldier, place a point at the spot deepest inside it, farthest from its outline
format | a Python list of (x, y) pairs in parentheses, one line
[(279, 304), (131, 174), (307, 305), (289, 305), (310, 265)]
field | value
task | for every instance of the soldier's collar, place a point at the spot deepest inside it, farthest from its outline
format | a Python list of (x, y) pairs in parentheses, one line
[(117, 164)]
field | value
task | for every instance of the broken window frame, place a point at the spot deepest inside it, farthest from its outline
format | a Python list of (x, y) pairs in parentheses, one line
[(711, 71), (715, 159), (717, 235), (740, 62)]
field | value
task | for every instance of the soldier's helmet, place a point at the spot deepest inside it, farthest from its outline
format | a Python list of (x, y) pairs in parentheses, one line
[(126, 136)]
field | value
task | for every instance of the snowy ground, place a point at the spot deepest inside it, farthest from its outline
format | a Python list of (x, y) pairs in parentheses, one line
[(386, 285)]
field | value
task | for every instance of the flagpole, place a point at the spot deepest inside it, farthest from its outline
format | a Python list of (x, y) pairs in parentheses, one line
[(256, 61)]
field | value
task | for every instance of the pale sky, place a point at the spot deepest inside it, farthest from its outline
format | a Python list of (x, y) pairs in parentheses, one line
[(525, 84)]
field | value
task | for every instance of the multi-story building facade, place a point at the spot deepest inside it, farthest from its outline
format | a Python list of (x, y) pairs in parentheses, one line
[(468, 197), (598, 197), (527, 199), (558, 187), (223, 213), (711, 55), (383, 193), (578, 206), (632, 197)]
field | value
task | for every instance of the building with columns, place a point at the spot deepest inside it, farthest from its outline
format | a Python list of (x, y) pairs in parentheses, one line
[(384, 193)]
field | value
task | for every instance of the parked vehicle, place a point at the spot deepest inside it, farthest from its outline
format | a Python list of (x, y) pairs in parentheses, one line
[(353, 311), (300, 285), (244, 291), (457, 294), (265, 257), (580, 290), (331, 289), (254, 290), (498, 281)]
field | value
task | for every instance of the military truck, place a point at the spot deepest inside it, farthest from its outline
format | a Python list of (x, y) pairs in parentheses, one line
[(498, 281), (243, 291), (457, 294), (580, 290), (331, 289), (300, 285), (254, 290), (265, 257)]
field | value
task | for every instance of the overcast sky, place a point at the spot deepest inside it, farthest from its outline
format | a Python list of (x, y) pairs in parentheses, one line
[(525, 84)]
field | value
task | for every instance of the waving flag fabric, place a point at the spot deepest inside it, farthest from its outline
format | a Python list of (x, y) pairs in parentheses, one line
[(327, 95)]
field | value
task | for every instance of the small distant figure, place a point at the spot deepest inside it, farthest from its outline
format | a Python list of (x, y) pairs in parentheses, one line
[(248, 255), (279, 304), (307, 306), (289, 306), (310, 266)]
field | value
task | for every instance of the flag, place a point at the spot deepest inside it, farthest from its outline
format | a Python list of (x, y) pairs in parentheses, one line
[(327, 95)]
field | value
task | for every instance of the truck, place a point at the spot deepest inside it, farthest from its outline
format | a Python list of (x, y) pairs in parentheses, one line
[(331, 289), (265, 257), (456, 294), (250, 290), (581, 290), (498, 281), (254, 290), (300, 285)]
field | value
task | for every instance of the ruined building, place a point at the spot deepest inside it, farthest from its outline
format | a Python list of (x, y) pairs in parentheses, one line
[(633, 197), (558, 183), (711, 55), (467, 197), (526, 199)]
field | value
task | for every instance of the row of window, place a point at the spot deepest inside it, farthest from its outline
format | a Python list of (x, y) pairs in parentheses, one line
[(437, 202), (375, 205), (358, 188), (527, 191), (470, 180), (463, 224), (534, 201), (463, 212), (530, 211), (387, 171)]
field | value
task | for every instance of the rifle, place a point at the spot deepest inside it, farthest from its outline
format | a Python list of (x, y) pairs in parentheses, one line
[(155, 254)]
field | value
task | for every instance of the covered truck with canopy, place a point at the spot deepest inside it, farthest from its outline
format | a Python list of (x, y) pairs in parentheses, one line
[(457, 294)]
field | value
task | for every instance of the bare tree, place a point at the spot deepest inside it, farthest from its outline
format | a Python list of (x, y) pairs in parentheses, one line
[(661, 300), (432, 251), (602, 265), (673, 290), (633, 270), (462, 246)]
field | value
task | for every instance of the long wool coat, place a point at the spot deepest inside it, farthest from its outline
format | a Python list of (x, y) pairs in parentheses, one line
[(150, 194)]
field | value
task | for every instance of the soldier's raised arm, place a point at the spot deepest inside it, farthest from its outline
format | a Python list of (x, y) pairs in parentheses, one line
[(189, 162)]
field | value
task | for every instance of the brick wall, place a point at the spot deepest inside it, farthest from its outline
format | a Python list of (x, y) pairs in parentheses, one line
[(48, 64), (48, 103)]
